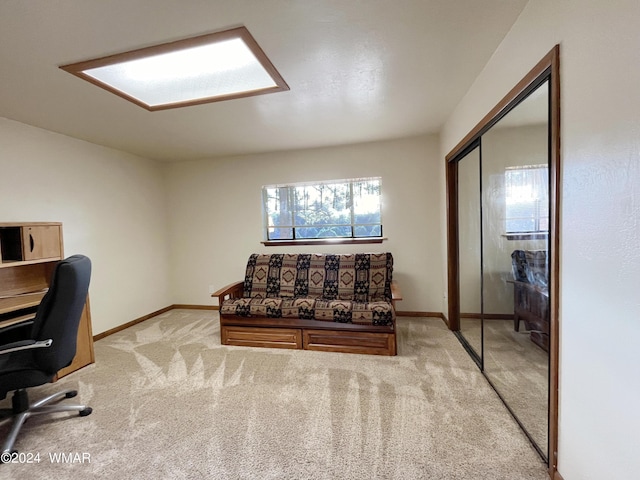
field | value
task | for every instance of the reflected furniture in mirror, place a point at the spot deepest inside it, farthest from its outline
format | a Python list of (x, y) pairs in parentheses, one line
[(502, 206), (531, 294)]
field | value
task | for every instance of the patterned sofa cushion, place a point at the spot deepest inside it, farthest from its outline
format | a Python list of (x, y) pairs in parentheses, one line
[(361, 277), (343, 311)]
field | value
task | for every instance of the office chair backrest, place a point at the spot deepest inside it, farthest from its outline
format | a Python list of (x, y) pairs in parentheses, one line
[(59, 313)]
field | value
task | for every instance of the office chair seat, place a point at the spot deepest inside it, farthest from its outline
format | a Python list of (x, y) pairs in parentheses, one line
[(51, 346), (23, 378)]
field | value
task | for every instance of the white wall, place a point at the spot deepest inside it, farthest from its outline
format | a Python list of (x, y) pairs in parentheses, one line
[(215, 213), (111, 205), (600, 211)]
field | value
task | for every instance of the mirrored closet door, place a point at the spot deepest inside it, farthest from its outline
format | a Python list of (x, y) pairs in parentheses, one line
[(503, 218), (469, 250)]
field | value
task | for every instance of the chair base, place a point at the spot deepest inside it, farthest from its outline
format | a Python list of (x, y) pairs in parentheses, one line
[(22, 410)]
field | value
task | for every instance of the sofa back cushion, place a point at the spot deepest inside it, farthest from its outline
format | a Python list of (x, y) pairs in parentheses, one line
[(361, 277), (530, 266)]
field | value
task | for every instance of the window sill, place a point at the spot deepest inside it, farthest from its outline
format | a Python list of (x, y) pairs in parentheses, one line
[(323, 241), (527, 236)]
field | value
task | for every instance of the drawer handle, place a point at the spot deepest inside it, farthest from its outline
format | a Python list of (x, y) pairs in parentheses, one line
[(31, 242)]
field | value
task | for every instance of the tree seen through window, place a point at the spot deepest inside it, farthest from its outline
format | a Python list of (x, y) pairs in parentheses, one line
[(336, 209)]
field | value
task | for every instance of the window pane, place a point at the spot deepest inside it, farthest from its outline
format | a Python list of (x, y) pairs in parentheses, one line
[(278, 211), (527, 199), (307, 232), (368, 231), (322, 204), (324, 232), (366, 201), (338, 209), (280, 234)]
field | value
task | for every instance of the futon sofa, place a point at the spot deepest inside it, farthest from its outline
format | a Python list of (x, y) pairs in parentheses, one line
[(340, 303), (531, 294)]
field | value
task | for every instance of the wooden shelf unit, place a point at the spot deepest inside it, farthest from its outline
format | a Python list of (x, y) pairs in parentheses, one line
[(28, 254)]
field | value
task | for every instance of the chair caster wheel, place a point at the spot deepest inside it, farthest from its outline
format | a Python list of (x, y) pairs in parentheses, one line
[(86, 411), (71, 394)]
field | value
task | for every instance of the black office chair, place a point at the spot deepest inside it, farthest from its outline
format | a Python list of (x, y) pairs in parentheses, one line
[(51, 346)]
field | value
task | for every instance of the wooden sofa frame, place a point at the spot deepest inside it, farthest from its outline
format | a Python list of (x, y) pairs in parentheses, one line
[(297, 333), (531, 304)]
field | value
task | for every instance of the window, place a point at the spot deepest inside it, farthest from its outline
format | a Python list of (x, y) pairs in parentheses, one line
[(337, 209), (527, 199)]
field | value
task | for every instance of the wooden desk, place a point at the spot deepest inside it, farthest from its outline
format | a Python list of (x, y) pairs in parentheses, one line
[(28, 255), (17, 302)]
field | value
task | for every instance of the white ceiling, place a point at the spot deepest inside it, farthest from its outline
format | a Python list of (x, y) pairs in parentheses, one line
[(359, 70)]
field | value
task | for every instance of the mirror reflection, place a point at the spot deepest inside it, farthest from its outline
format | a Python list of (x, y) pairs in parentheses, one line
[(515, 226), (469, 224), (503, 211)]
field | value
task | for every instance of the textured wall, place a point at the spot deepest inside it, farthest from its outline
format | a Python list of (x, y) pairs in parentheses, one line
[(216, 219), (111, 205), (600, 227)]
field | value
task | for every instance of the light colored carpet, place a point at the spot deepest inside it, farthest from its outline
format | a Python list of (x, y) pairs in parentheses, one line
[(471, 329), (170, 402), (519, 369)]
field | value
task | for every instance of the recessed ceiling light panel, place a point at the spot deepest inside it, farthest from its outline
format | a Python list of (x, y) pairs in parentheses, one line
[(208, 68)]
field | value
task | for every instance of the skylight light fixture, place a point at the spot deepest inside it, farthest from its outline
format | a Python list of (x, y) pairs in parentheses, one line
[(208, 68)]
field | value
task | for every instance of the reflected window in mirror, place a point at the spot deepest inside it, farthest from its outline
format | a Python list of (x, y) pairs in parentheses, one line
[(526, 200)]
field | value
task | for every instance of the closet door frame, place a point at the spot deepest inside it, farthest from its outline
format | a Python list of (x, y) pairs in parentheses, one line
[(548, 69)]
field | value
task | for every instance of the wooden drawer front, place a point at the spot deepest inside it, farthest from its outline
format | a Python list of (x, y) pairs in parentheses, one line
[(350, 342), (41, 241), (261, 337)]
